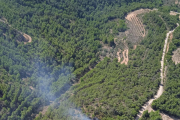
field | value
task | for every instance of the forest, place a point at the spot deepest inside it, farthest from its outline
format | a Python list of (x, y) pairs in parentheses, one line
[(64, 57), (169, 102), (151, 116), (104, 93)]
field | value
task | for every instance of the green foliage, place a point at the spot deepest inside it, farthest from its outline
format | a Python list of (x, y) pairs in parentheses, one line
[(171, 21), (115, 91), (169, 102), (24, 83), (66, 37), (151, 116)]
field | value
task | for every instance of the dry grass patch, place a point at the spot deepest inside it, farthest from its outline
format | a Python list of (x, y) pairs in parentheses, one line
[(176, 56)]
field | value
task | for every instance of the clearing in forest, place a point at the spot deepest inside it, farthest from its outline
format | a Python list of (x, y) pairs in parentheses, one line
[(27, 37), (125, 56), (118, 54), (174, 13), (176, 56), (135, 25), (135, 32), (177, 2)]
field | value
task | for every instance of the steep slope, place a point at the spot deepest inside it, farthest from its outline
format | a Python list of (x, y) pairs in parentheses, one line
[(115, 91), (147, 106), (169, 101)]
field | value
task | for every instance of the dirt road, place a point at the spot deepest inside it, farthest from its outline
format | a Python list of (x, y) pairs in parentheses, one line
[(147, 105), (125, 56)]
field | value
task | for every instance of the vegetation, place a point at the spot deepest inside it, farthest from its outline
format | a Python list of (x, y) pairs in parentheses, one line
[(151, 116), (114, 91), (169, 102), (66, 40)]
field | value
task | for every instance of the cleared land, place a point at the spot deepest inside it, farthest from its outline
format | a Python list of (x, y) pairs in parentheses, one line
[(136, 27), (118, 54), (27, 37), (176, 56), (174, 13), (125, 56), (135, 32)]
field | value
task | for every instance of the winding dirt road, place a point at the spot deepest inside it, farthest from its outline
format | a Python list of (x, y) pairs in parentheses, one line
[(147, 105), (26, 36), (125, 56)]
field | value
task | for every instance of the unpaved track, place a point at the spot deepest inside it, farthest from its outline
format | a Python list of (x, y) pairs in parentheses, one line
[(26, 36), (147, 105), (125, 56), (170, 39)]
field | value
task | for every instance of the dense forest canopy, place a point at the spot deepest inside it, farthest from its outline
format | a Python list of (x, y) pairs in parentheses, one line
[(104, 93), (169, 102), (67, 36)]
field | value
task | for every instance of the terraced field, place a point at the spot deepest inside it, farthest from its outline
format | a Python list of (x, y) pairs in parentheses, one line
[(135, 25)]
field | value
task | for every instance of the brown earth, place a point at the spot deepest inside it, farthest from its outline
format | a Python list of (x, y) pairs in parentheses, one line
[(176, 2), (176, 56), (135, 24), (4, 20), (175, 13), (125, 56), (118, 54), (31, 87), (28, 38)]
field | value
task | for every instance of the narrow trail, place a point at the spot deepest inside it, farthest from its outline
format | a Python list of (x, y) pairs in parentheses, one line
[(147, 105), (26, 36)]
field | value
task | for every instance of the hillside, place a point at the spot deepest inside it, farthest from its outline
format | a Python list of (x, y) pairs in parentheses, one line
[(74, 59), (112, 90), (169, 101)]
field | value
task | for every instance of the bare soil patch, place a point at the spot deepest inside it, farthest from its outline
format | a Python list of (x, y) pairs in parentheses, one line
[(176, 56), (167, 117), (175, 13), (136, 27), (28, 38), (125, 56), (176, 2), (4, 20), (134, 47), (118, 54), (31, 87), (134, 34)]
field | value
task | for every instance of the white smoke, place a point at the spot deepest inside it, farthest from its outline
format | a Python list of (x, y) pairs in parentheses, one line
[(76, 114)]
